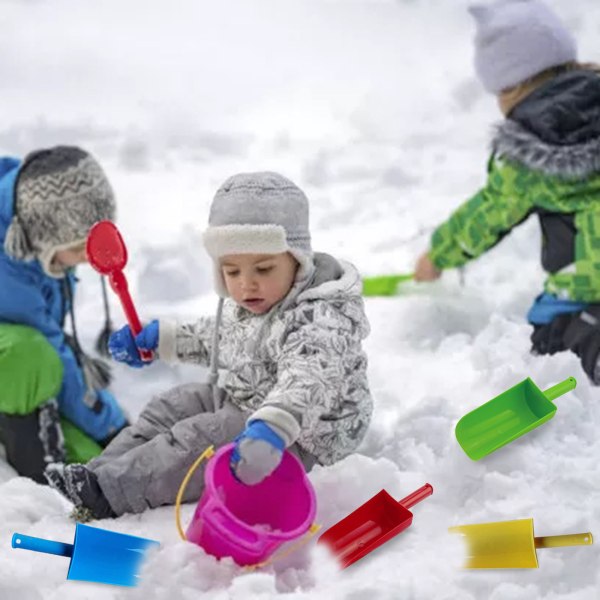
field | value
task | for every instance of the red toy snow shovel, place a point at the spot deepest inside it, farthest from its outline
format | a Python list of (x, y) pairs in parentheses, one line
[(107, 253), (375, 522)]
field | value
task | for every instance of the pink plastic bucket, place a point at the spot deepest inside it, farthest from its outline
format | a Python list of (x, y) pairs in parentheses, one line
[(249, 522)]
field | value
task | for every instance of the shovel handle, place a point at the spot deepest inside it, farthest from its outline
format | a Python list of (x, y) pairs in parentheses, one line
[(27, 542), (560, 388), (560, 541), (118, 283), (417, 496)]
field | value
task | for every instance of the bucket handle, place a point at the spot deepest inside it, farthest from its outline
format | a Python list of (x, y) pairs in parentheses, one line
[(560, 388), (205, 455), (313, 529)]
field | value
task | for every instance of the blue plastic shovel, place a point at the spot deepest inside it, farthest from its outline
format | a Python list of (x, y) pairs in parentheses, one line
[(96, 554)]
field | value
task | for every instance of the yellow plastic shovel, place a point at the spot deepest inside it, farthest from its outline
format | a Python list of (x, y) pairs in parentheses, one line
[(510, 544)]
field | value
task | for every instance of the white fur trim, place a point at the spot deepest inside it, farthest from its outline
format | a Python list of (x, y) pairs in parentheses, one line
[(167, 349), (245, 239), (219, 281), (47, 256), (286, 424)]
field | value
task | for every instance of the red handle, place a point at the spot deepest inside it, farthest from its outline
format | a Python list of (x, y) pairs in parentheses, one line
[(417, 496), (118, 283)]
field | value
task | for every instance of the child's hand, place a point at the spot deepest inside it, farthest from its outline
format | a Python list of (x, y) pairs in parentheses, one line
[(124, 348), (257, 453), (425, 270)]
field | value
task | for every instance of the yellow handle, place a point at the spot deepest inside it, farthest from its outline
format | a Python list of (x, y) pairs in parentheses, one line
[(559, 541), (206, 454), (295, 546)]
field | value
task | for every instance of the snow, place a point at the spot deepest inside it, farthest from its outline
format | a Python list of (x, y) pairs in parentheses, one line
[(373, 108)]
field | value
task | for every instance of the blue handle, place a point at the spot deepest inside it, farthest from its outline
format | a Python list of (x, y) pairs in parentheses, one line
[(27, 542)]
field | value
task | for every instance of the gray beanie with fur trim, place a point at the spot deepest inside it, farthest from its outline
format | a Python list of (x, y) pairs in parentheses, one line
[(59, 194), (517, 39), (258, 213)]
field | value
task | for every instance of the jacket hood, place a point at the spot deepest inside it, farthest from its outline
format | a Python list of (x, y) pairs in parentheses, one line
[(556, 129), (331, 278), (338, 283), (563, 111), (514, 142), (9, 168)]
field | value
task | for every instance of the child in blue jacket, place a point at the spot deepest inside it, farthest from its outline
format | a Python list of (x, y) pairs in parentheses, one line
[(53, 401)]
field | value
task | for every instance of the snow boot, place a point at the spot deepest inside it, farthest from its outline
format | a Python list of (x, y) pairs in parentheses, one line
[(79, 485)]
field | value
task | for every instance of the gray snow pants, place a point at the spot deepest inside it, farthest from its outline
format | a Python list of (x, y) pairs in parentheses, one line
[(145, 464)]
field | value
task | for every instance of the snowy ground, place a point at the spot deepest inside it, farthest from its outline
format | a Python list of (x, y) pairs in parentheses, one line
[(372, 107)]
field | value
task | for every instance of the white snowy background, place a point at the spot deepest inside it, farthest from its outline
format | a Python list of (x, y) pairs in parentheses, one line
[(373, 108)]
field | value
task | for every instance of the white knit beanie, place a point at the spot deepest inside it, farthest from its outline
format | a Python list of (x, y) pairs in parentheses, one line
[(517, 39)]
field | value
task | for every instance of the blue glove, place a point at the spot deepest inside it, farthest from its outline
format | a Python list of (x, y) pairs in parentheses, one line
[(124, 348), (257, 453)]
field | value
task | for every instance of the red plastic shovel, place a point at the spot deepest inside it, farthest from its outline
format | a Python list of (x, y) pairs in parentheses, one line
[(372, 524), (107, 253)]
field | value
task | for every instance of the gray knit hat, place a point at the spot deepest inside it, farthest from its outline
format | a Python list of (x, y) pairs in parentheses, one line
[(517, 39), (59, 194), (256, 213)]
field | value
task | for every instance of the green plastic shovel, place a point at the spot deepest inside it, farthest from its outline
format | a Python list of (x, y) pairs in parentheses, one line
[(508, 416), (384, 285)]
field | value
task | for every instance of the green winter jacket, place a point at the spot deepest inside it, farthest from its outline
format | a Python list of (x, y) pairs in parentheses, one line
[(546, 160)]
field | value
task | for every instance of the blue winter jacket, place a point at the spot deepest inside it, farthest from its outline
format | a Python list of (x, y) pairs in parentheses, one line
[(30, 297)]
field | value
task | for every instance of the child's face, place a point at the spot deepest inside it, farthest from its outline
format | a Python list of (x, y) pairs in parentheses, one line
[(258, 281), (70, 257)]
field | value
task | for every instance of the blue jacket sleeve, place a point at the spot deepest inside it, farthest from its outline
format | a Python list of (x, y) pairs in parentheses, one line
[(22, 301)]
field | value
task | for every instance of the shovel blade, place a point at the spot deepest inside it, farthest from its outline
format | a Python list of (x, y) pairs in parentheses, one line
[(105, 248), (384, 285), (368, 527), (103, 556), (503, 419), (502, 545)]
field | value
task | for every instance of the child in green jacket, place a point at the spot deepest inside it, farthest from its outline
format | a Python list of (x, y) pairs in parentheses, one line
[(545, 161)]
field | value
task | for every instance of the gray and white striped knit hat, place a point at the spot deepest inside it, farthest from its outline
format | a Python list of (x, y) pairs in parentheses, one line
[(60, 193), (258, 213)]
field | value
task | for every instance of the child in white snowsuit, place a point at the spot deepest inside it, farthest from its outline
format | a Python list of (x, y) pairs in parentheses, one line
[(287, 366)]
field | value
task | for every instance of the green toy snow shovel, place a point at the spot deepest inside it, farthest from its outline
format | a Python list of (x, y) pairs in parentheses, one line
[(384, 285), (508, 416)]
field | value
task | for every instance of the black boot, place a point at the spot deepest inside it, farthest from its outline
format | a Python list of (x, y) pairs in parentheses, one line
[(583, 338), (33, 441), (80, 485)]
